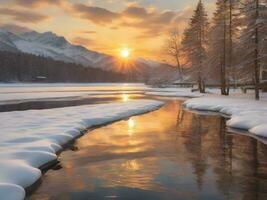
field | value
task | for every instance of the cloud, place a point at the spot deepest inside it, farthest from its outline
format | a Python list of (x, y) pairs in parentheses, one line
[(23, 16), (156, 23), (150, 22), (135, 11), (95, 14), (83, 41), (89, 32), (37, 3), (14, 28)]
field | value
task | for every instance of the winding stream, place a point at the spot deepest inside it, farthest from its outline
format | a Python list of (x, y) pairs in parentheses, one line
[(168, 154)]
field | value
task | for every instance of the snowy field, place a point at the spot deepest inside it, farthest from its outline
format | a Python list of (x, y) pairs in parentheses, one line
[(174, 92), (65, 87), (30, 139), (13, 93)]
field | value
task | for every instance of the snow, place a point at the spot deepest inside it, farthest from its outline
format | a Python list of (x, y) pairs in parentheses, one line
[(9, 98), (11, 191), (176, 94), (25, 92), (246, 114), (173, 92), (68, 87), (31, 139)]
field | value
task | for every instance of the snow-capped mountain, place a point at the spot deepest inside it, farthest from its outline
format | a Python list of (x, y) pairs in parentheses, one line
[(48, 44), (57, 47), (6, 41)]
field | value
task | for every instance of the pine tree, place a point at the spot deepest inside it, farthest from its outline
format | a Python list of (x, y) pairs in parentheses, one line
[(217, 44), (195, 44), (253, 39)]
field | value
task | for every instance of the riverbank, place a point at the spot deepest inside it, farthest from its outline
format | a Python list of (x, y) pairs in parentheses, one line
[(245, 113), (30, 139)]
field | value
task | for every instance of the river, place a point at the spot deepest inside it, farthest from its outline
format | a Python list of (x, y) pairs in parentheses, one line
[(168, 154)]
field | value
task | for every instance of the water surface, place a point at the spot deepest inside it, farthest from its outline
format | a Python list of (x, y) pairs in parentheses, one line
[(168, 154)]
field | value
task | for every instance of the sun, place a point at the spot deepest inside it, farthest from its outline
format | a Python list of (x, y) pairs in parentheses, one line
[(125, 53)]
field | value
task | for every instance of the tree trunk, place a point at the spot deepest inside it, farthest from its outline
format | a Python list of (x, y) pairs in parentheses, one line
[(201, 85), (223, 63), (256, 56), (179, 67), (233, 69)]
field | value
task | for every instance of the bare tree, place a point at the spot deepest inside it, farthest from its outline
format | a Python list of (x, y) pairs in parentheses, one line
[(173, 48)]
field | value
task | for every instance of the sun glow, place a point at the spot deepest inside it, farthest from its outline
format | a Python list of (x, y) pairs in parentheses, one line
[(125, 97), (125, 53)]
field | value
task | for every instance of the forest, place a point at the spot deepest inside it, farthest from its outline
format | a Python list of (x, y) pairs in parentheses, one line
[(22, 67), (230, 49)]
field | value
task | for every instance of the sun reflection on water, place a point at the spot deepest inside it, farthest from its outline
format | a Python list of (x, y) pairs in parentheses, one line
[(131, 165), (125, 97), (131, 125)]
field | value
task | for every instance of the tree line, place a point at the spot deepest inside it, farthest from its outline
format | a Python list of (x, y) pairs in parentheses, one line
[(22, 67), (230, 49)]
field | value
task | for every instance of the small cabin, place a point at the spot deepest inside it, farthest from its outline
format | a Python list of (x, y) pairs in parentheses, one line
[(40, 79)]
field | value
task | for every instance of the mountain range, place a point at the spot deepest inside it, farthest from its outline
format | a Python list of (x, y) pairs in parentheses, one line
[(50, 45)]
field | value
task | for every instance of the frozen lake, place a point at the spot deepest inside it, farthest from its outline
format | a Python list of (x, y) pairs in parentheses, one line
[(43, 96)]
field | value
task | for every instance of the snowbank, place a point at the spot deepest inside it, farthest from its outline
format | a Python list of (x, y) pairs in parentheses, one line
[(245, 114), (30, 139)]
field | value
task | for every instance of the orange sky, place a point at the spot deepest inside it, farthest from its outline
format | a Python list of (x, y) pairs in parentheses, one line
[(103, 25)]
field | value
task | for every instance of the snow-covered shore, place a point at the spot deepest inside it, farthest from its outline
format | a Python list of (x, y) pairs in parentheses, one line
[(30, 139), (246, 114)]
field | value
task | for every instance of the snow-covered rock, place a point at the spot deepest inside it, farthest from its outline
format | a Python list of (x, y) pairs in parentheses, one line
[(30, 139)]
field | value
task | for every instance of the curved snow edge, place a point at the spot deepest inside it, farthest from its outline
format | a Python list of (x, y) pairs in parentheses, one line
[(38, 135), (245, 114)]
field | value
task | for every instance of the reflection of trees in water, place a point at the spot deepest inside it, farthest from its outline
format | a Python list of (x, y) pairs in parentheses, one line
[(238, 162), (250, 170), (190, 127)]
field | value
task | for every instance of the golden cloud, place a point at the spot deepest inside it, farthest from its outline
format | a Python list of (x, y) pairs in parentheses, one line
[(37, 3), (24, 16), (95, 14), (149, 22)]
